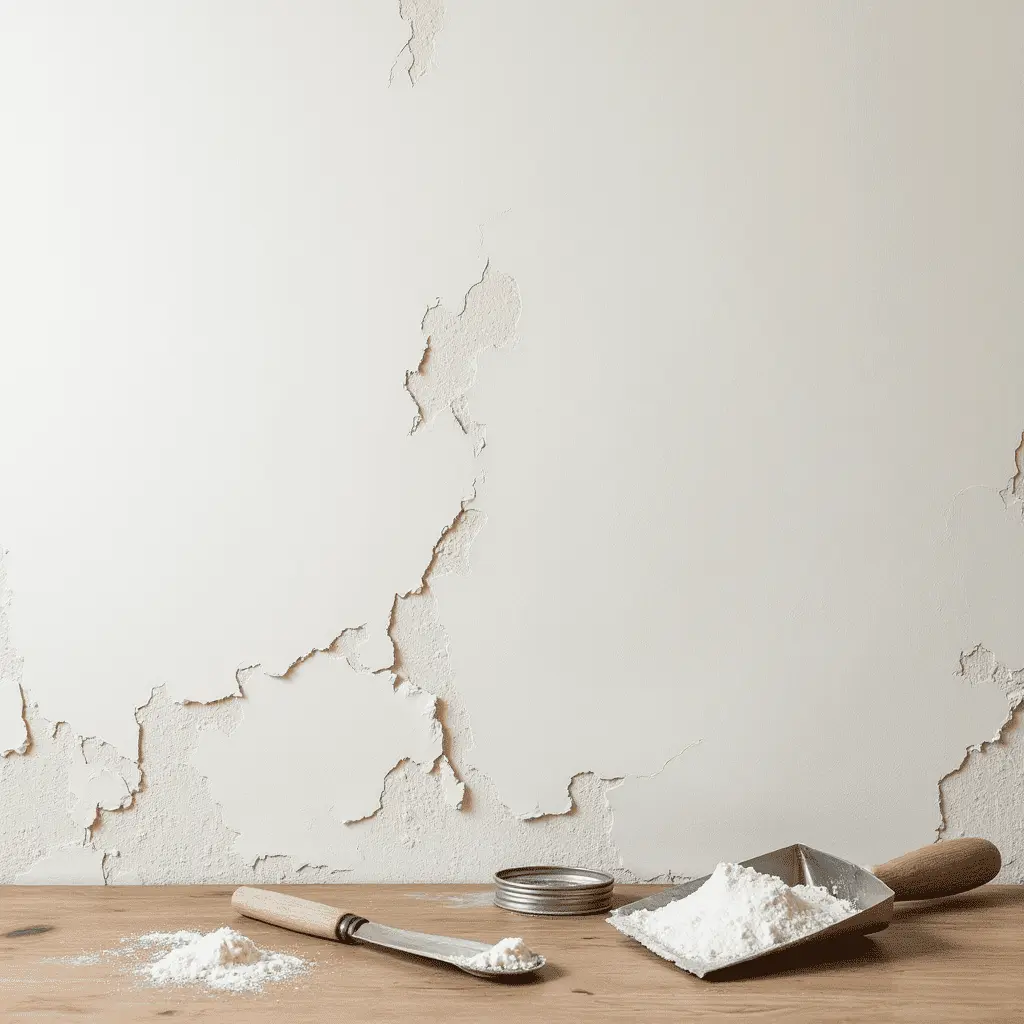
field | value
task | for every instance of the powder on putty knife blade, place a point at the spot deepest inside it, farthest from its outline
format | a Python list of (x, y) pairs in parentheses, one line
[(507, 955), (736, 913)]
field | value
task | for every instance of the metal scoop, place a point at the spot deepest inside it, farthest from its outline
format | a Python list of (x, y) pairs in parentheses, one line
[(942, 869), (326, 922)]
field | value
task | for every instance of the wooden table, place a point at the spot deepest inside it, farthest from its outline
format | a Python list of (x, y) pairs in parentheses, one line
[(957, 960)]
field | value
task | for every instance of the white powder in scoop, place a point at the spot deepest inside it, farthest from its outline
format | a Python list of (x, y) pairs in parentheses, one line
[(223, 959), (506, 955), (736, 913)]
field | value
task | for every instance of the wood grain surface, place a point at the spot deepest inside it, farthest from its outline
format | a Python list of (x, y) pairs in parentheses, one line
[(950, 961)]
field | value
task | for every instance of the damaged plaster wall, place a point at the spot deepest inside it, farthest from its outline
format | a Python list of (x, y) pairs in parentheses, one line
[(537, 486)]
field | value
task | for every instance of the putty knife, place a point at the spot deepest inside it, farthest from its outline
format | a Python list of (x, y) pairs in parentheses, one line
[(942, 869), (326, 922)]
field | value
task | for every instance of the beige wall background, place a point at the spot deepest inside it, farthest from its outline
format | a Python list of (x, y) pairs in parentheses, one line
[(434, 438)]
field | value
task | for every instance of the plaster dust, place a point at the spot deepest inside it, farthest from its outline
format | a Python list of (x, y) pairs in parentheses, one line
[(737, 913), (688, 333)]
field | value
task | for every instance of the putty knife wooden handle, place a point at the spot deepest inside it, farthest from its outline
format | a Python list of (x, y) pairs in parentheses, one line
[(942, 869), (298, 915)]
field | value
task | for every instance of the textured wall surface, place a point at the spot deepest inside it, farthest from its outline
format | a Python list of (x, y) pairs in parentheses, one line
[(435, 437)]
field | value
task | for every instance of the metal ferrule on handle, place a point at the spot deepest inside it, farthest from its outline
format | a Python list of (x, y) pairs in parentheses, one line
[(347, 926)]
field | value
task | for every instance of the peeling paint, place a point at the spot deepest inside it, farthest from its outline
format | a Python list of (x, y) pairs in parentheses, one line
[(979, 797), (35, 821), (1013, 493), (453, 788), (343, 702), (448, 368), (92, 788)]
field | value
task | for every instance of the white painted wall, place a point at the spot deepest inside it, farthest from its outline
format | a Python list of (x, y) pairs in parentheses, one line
[(441, 438)]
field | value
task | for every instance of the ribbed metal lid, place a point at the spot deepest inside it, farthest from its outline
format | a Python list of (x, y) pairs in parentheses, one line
[(556, 891)]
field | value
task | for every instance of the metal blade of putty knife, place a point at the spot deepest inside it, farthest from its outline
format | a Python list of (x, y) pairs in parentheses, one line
[(942, 869)]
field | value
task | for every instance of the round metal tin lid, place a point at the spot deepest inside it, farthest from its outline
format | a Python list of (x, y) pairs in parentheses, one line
[(549, 880), (553, 890)]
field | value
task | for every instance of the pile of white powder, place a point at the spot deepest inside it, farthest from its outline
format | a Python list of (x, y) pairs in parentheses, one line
[(736, 913), (223, 959), (506, 955)]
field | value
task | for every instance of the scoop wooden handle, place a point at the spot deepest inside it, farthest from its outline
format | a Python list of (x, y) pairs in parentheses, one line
[(942, 869), (291, 912)]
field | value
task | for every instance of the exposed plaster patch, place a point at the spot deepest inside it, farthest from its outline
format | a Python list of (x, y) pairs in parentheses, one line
[(980, 667), (351, 645), (69, 865), (469, 846), (982, 795), (153, 844), (453, 788), (92, 788), (35, 821), (451, 553), (415, 835), (1013, 493), (448, 368), (425, 19)]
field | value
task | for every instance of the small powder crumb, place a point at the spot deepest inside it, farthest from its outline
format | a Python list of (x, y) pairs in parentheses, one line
[(458, 899), (76, 961), (506, 955), (736, 913), (223, 959)]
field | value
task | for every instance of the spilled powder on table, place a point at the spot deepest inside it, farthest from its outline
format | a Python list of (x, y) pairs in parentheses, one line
[(222, 960)]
